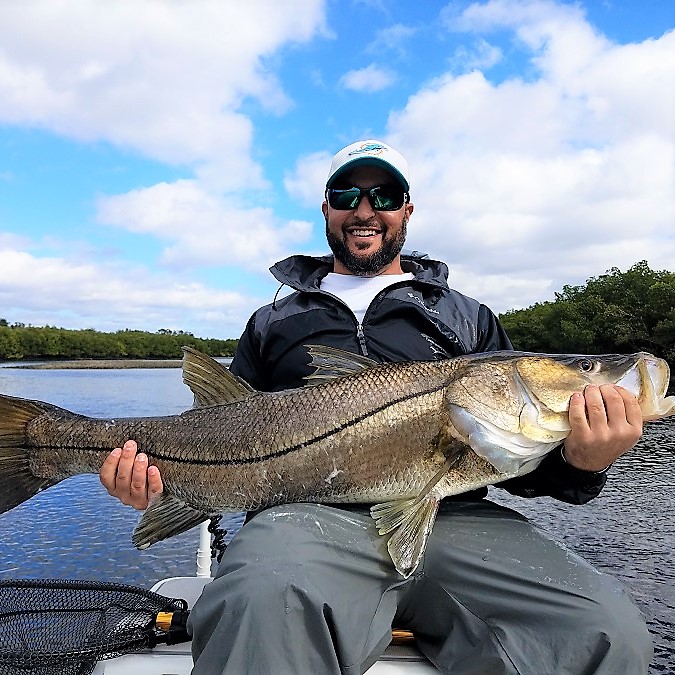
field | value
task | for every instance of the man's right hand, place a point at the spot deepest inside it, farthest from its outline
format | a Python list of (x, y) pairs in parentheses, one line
[(126, 475)]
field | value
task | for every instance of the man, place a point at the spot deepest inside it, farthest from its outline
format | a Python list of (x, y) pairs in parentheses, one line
[(307, 588)]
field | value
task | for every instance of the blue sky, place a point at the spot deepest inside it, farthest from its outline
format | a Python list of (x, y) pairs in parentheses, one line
[(157, 157)]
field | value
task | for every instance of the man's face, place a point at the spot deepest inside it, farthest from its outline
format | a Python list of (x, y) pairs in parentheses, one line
[(364, 241)]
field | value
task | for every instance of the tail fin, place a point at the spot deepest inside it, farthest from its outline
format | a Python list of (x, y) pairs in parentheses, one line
[(17, 482)]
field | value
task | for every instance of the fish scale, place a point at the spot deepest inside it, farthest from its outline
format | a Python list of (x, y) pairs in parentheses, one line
[(401, 436)]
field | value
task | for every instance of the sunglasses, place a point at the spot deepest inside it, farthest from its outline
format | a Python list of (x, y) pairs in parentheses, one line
[(380, 197)]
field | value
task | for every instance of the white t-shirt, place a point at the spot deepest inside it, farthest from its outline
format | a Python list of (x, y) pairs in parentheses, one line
[(358, 292)]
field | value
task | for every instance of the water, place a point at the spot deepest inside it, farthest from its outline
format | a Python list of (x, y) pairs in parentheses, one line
[(76, 531)]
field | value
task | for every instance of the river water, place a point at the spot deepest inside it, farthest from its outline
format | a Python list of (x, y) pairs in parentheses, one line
[(76, 531)]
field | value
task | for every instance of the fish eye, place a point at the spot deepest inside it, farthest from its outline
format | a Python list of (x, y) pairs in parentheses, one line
[(586, 366)]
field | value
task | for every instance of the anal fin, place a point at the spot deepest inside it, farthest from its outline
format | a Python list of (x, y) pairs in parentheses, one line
[(164, 518)]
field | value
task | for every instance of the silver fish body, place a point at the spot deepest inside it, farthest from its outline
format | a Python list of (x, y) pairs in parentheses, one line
[(401, 436)]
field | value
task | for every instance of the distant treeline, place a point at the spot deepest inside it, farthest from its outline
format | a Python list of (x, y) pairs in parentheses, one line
[(18, 341), (617, 312)]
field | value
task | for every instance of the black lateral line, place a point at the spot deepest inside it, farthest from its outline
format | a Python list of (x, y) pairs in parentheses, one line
[(293, 448)]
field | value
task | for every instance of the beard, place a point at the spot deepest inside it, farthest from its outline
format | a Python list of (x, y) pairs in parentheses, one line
[(368, 265)]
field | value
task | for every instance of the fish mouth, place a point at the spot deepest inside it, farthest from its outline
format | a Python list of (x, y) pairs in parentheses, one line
[(648, 381)]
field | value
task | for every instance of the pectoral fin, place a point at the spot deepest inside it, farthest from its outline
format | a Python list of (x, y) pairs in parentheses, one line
[(411, 521), (164, 518)]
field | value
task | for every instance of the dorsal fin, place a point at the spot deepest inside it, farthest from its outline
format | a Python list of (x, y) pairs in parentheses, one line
[(330, 362), (211, 382)]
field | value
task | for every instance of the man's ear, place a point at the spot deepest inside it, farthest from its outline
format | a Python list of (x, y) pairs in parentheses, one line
[(324, 208)]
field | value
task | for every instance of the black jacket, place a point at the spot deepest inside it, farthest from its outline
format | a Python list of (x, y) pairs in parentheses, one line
[(418, 320)]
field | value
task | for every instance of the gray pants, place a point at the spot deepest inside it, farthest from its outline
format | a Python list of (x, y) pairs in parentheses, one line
[(308, 589)]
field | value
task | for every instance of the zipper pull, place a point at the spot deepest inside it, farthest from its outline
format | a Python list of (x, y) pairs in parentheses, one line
[(362, 339)]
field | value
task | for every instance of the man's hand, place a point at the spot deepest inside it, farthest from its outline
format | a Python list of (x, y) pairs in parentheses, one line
[(606, 422), (126, 475)]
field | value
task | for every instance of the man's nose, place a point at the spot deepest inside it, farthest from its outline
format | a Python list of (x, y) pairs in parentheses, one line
[(363, 209)]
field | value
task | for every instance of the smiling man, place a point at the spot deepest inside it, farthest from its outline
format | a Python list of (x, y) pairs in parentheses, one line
[(309, 588), (367, 235)]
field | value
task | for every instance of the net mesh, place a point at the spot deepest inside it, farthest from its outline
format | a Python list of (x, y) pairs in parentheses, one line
[(61, 627)]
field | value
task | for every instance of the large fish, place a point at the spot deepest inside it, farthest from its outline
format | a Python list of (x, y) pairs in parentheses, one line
[(401, 436)]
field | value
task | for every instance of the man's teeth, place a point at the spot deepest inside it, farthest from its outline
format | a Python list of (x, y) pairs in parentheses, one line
[(364, 233)]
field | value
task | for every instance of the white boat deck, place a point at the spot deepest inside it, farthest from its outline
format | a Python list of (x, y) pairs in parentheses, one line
[(177, 660)]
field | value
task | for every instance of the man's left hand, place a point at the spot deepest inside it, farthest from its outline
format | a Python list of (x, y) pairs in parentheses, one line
[(606, 422)]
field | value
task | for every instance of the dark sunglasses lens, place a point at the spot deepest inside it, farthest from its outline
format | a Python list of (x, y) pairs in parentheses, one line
[(344, 200), (387, 197), (381, 197)]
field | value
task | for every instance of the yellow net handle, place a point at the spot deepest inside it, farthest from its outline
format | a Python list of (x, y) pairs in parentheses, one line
[(163, 621), (399, 636)]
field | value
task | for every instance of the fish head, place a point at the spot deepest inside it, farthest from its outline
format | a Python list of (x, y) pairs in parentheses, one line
[(548, 381), (512, 408)]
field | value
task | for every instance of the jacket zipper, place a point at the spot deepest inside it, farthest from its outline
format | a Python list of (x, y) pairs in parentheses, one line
[(360, 335), (362, 339)]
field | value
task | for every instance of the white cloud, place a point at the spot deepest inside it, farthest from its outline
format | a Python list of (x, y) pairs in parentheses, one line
[(115, 296), (202, 227), (9, 240), (521, 184), (370, 79), (393, 38), (165, 79), (481, 55), (307, 180), (556, 178)]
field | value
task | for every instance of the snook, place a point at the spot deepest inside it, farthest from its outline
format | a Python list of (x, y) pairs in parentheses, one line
[(401, 436)]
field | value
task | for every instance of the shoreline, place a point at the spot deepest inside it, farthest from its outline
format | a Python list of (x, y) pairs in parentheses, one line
[(98, 364), (112, 364)]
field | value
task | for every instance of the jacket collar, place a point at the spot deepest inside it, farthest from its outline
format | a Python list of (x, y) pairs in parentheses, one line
[(304, 273)]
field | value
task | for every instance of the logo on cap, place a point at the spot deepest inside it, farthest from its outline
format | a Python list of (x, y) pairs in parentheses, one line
[(369, 149)]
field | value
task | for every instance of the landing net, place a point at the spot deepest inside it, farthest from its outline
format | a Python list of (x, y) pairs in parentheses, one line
[(62, 627)]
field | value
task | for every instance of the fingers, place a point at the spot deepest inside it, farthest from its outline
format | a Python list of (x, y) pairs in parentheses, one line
[(631, 407), (138, 488), (613, 412), (596, 414), (577, 413), (155, 485), (605, 423), (125, 475), (125, 467), (108, 472)]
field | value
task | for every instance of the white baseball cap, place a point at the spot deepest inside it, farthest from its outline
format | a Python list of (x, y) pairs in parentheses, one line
[(369, 153)]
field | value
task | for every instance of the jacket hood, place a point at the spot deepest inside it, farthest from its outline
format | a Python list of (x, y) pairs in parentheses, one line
[(304, 273)]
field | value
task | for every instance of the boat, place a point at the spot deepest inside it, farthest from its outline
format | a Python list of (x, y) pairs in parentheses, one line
[(401, 657)]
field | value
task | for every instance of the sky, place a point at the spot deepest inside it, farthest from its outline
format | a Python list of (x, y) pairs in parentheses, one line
[(157, 156)]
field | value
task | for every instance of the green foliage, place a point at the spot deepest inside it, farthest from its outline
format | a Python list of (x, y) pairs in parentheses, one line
[(617, 312), (18, 341)]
